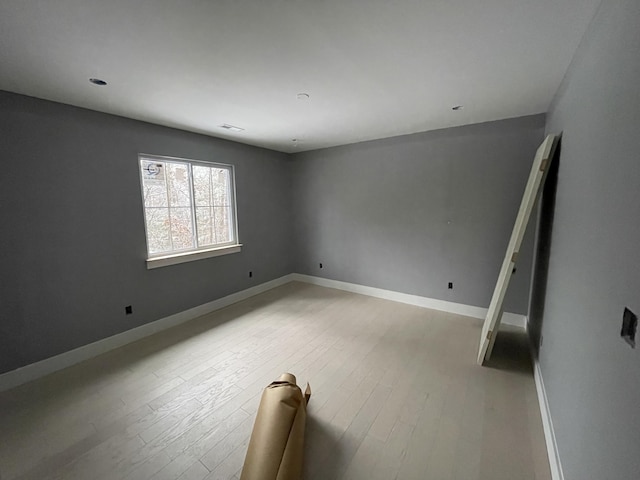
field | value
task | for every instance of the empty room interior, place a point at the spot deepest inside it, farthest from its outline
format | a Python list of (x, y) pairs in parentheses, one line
[(197, 197)]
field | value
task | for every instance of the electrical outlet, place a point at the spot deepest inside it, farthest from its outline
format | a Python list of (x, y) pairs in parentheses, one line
[(450, 286), (320, 265), (128, 310), (250, 274), (629, 327)]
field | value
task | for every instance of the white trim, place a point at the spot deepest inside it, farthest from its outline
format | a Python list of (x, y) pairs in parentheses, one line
[(547, 425), (515, 319), (53, 364), (426, 302), (49, 365), (184, 257), (176, 257)]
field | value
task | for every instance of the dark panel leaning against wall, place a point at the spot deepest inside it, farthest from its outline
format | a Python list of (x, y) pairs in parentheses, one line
[(591, 375), (412, 213), (72, 248)]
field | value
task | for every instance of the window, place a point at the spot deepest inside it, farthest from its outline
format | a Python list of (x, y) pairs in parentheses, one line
[(189, 209)]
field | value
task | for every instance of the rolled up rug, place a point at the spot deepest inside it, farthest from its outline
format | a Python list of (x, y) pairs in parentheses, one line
[(276, 446)]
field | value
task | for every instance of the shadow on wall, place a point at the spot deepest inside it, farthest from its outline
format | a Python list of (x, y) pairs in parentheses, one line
[(543, 251)]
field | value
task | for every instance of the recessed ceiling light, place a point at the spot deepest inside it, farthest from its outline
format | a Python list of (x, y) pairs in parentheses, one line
[(233, 128), (303, 96), (457, 107), (97, 81)]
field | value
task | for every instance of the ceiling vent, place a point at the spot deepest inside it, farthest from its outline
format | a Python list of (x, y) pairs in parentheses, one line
[(232, 128)]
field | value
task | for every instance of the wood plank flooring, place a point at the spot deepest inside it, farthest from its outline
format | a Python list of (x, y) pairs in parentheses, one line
[(396, 395)]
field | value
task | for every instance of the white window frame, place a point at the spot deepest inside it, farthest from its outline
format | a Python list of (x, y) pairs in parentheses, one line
[(198, 253)]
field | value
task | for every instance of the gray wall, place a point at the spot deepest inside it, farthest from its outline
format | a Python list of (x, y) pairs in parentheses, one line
[(412, 213), (592, 376), (72, 242)]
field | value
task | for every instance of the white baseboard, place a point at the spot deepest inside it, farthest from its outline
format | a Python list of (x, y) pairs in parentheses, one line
[(514, 319), (44, 367), (547, 425), (426, 302)]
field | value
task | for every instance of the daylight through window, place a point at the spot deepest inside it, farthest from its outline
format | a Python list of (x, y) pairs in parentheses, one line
[(189, 206)]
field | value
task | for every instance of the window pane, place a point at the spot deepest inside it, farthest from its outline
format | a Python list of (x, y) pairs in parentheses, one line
[(221, 186), (223, 227), (204, 218), (179, 185), (158, 232), (202, 185), (153, 184), (155, 196), (181, 228)]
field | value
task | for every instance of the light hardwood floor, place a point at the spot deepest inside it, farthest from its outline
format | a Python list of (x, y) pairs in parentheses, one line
[(396, 394)]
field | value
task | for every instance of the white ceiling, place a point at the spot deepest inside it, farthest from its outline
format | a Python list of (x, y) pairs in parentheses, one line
[(372, 68)]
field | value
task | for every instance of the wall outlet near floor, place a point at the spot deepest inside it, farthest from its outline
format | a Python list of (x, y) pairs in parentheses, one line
[(629, 327), (128, 310), (450, 287), (320, 265), (250, 274)]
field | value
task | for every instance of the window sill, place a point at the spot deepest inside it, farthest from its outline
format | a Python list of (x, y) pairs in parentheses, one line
[(174, 259)]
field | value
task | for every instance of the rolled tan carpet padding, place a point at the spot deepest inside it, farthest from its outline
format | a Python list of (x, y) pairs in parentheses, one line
[(276, 446)]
